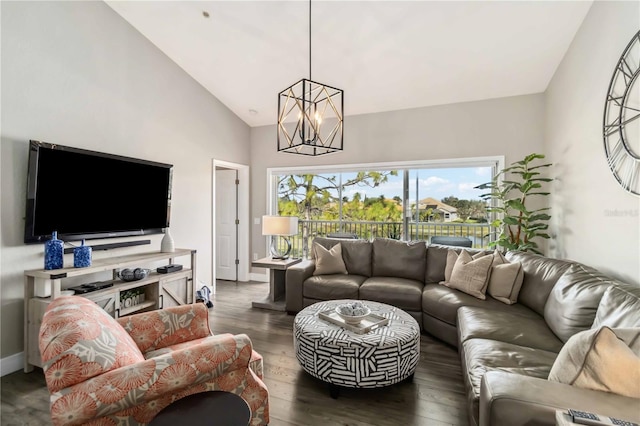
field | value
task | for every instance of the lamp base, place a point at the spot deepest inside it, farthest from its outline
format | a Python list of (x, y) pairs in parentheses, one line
[(277, 254)]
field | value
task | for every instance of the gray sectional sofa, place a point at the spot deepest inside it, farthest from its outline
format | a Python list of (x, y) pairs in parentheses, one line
[(506, 351)]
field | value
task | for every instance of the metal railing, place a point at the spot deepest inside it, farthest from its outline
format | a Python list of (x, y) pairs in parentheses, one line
[(478, 233)]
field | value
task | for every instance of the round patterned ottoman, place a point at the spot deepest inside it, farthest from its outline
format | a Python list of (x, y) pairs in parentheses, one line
[(381, 357)]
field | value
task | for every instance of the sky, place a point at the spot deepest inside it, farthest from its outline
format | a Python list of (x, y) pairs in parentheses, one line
[(435, 183)]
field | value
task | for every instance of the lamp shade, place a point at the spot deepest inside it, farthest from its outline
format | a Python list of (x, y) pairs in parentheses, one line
[(279, 225)]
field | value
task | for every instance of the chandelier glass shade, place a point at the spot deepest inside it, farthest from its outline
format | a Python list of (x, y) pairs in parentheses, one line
[(310, 118)]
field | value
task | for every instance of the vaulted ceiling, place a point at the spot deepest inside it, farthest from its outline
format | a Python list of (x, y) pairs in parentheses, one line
[(385, 55)]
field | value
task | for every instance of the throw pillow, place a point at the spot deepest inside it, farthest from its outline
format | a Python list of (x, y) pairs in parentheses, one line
[(452, 256), (470, 275), (505, 280), (602, 359), (329, 261)]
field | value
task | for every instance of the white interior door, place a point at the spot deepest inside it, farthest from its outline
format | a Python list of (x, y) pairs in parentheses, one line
[(226, 228)]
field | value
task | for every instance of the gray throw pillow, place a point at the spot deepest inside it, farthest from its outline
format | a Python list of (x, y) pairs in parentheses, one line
[(505, 280), (328, 261)]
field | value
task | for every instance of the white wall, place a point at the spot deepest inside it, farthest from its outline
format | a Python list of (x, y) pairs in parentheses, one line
[(594, 220), (507, 126), (76, 73)]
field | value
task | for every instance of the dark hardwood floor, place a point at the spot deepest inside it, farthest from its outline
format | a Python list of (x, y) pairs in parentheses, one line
[(436, 396)]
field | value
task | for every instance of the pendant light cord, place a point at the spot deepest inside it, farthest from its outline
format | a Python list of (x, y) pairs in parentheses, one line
[(309, 40)]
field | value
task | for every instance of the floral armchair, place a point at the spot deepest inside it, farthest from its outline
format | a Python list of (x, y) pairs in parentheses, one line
[(103, 371)]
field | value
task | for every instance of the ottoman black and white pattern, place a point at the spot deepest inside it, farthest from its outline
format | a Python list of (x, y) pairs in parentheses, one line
[(382, 357)]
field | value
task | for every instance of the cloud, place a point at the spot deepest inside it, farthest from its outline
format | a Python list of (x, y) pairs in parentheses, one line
[(483, 171), (432, 181), (468, 188)]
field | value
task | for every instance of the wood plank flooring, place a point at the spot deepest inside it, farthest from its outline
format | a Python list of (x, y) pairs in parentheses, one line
[(435, 398)]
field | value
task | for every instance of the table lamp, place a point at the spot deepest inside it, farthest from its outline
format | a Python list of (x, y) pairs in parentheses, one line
[(279, 226)]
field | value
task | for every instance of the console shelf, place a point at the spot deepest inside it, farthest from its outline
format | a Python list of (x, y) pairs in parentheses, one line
[(160, 290)]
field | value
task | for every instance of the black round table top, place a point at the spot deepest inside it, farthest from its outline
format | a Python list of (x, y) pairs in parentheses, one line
[(205, 409)]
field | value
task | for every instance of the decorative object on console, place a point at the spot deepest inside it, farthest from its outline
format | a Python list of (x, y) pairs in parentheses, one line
[(132, 297), (82, 256), (133, 274), (511, 187), (279, 226), (620, 131), (310, 116), (54, 252), (166, 245)]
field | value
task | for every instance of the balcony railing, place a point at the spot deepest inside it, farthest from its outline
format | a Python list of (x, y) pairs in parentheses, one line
[(478, 233)]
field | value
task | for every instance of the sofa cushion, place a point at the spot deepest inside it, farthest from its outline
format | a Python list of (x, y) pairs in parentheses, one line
[(437, 261), (443, 302), (392, 258), (601, 359), (480, 356), (400, 292), (357, 256), (355, 253), (328, 261), (619, 307), (540, 275), (470, 275), (506, 326), (79, 340), (573, 301), (505, 280), (329, 287)]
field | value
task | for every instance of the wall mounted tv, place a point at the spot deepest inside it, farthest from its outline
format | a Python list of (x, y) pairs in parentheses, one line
[(84, 194)]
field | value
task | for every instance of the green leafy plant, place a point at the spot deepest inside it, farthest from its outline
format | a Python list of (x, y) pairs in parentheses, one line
[(518, 225)]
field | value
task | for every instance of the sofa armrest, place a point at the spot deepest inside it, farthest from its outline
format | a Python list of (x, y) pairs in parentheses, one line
[(295, 276), (169, 326), (511, 399), (165, 376)]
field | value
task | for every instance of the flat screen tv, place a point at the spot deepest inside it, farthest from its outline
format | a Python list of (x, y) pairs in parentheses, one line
[(85, 194)]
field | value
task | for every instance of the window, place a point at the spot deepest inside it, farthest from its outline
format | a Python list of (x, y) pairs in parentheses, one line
[(405, 200)]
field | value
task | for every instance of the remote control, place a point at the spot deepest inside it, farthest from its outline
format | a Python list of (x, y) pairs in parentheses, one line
[(586, 418)]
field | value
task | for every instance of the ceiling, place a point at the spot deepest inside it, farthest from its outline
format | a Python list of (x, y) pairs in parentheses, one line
[(385, 55)]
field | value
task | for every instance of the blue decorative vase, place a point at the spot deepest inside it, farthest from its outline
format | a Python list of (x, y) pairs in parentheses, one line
[(53, 252), (82, 256)]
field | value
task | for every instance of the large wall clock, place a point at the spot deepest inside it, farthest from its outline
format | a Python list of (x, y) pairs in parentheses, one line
[(621, 126)]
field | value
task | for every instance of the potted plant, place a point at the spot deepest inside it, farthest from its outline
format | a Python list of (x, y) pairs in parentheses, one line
[(510, 189)]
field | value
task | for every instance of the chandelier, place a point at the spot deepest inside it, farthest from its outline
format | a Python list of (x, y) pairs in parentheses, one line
[(310, 116)]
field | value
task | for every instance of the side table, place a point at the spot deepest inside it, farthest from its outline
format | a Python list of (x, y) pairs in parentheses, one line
[(277, 271)]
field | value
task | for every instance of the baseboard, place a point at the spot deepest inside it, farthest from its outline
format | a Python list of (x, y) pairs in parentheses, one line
[(259, 277), (11, 364)]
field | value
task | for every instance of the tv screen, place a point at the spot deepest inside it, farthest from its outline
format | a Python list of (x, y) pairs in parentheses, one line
[(84, 194)]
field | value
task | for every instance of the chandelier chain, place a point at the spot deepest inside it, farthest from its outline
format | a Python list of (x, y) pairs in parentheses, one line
[(309, 39)]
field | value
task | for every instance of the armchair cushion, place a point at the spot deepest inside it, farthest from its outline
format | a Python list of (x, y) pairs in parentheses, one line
[(166, 327), (78, 342)]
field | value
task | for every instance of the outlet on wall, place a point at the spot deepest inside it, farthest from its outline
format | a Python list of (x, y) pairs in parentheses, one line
[(255, 256)]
